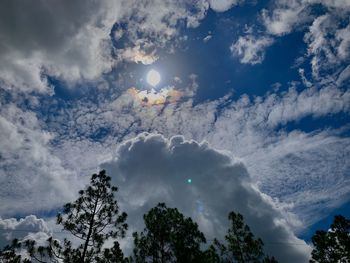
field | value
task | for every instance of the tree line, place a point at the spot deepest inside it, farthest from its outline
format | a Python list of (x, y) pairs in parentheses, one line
[(95, 219)]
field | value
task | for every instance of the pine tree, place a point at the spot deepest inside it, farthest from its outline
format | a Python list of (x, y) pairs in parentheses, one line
[(241, 246), (92, 219), (168, 237), (332, 245)]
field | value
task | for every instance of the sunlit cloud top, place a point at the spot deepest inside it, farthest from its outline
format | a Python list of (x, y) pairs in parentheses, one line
[(153, 97)]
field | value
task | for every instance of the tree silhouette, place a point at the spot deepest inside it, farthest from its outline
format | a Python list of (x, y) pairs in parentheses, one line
[(332, 245), (92, 219), (168, 237), (9, 255), (241, 244)]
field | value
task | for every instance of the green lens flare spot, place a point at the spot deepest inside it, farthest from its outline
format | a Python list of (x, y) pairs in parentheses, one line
[(189, 180)]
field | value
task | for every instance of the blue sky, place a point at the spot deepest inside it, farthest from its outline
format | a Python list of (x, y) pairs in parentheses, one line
[(261, 87)]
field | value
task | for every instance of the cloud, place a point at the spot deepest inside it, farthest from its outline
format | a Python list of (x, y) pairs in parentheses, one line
[(250, 49), (327, 38), (328, 46), (78, 42), (62, 39), (344, 76), (286, 15), (32, 178), (47, 144), (151, 169), (136, 55), (252, 129), (29, 227), (43, 162), (207, 38), (222, 5), (153, 98), (73, 41)]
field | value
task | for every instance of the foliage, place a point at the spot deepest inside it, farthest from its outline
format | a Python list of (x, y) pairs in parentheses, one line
[(92, 219), (333, 245), (241, 244), (9, 255), (168, 237)]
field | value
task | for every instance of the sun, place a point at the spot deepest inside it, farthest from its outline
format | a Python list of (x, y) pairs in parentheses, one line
[(153, 77)]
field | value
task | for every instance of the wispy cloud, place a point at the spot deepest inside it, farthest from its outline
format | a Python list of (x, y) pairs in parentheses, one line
[(32, 177), (50, 143), (245, 127), (250, 49)]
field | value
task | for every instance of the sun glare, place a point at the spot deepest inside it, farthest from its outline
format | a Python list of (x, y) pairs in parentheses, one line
[(153, 77)]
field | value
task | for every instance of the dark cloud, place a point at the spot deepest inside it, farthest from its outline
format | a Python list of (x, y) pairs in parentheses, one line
[(151, 169), (65, 39)]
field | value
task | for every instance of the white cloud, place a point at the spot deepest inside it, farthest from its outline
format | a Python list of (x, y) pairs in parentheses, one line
[(72, 42), (250, 49), (34, 168), (343, 37), (328, 46), (305, 81), (207, 38), (219, 184), (32, 178), (136, 55), (344, 76), (244, 127), (29, 227), (327, 38), (286, 15), (38, 175), (64, 39), (222, 5)]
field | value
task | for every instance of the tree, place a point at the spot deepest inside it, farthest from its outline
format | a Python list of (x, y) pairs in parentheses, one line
[(210, 256), (9, 255), (241, 244), (168, 237), (332, 245), (92, 219)]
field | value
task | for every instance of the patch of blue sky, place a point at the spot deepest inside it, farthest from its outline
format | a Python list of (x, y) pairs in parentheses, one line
[(313, 123), (220, 73), (324, 223)]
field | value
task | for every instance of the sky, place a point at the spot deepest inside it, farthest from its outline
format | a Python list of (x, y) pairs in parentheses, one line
[(251, 112)]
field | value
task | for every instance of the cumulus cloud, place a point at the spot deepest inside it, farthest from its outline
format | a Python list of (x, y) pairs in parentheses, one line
[(29, 227), (250, 49), (42, 151), (151, 169), (246, 127), (72, 41), (63, 39), (39, 174)]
